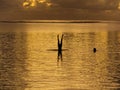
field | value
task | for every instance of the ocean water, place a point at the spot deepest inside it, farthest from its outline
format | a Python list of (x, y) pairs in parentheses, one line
[(29, 61)]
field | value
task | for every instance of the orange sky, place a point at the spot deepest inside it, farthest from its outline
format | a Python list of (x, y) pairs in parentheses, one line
[(60, 9)]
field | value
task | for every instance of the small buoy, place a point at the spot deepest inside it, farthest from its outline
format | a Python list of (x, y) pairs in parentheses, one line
[(94, 50)]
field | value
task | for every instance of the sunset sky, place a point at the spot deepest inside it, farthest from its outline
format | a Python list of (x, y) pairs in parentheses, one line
[(60, 9)]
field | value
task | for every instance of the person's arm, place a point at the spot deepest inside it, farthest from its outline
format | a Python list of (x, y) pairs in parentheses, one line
[(61, 40), (58, 39)]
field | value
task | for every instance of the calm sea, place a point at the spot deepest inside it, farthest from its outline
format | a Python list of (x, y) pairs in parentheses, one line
[(29, 60)]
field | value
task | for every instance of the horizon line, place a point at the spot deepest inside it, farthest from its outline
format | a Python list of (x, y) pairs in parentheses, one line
[(57, 21)]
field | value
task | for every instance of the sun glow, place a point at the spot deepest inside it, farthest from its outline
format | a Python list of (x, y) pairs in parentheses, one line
[(29, 3), (49, 4), (119, 6), (25, 4), (41, 1), (33, 3)]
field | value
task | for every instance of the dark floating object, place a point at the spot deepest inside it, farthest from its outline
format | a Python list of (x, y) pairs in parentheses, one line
[(94, 50)]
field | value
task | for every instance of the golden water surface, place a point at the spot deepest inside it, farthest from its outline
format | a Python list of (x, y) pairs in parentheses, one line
[(27, 61)]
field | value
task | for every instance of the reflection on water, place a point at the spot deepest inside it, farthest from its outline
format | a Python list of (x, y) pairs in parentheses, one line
[(26, 63), (12, 61)]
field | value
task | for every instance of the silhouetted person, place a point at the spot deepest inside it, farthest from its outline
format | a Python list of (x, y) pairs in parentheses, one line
[(60, 47), (60, 43), (94, 50)]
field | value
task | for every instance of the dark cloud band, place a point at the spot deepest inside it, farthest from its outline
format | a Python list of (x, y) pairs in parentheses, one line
[(88, 4)]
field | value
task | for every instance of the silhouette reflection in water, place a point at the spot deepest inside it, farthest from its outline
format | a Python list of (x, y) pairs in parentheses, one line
[(60, 55)]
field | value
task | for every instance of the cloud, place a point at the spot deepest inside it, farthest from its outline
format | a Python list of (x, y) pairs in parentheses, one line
[(88, 4), (60, 9), (9, 8), (75, 4), (34, 3), (7, 4)]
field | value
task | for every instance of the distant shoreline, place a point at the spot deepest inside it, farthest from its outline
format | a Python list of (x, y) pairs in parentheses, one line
[(58, 21)]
